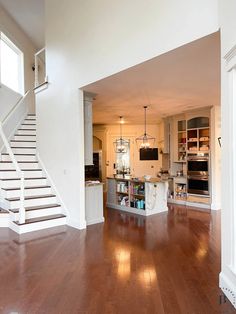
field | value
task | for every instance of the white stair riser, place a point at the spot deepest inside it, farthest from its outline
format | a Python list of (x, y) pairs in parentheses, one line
[(28, 126), (10, 166), (19, 158), (27, 192), (37, 213), (25, 138), (31, 121), (38, 225), (23, 144), (16, 183), (33, 202), (26, 132), (24, 150), (27, 174)]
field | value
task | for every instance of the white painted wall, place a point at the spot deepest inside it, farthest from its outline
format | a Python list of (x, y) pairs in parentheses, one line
[(87, 41), (228, 221), (12, 30), (139, 168), (8, 99)]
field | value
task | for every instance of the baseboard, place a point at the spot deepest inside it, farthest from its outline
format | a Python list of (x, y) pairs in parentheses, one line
[(215, 206), (64, 208), (228, 288), (76, 224), (95, 221)]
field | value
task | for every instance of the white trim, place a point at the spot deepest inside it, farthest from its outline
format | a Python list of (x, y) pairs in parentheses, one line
[(39, 89), (228, 287), (64, 208), (76, 224)]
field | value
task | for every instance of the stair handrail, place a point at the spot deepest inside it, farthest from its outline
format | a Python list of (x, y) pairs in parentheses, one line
[(19, 172)]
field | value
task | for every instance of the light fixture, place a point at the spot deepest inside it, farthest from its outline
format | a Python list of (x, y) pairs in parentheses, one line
[(121, 145), (145, 141)]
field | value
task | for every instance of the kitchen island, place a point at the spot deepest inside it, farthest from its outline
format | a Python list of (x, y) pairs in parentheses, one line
[(138, 196)]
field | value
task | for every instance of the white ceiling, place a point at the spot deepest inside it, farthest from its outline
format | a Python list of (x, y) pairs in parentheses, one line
[(29, 15), (183, 79)]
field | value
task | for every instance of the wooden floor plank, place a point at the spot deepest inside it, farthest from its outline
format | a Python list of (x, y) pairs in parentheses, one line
[(165, 264)]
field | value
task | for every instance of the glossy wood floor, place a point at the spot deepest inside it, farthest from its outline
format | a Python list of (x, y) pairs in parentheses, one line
[(168, 263)]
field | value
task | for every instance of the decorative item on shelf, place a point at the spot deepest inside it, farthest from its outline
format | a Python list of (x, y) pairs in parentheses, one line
[(121, 145), (145, 141)]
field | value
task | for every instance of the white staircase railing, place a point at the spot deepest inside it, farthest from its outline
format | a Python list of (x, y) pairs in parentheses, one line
[(19, 172)]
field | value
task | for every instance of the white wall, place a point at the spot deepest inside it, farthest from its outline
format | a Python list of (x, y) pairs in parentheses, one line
[(8, 99), (138, 167), (228, 104), (9, 27), (87, 41)]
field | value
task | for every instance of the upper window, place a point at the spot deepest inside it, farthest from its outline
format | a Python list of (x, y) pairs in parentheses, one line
[(11, 64)]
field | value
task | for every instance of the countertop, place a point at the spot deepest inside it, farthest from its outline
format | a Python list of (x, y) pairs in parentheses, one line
[(92, 183), (142, 180)]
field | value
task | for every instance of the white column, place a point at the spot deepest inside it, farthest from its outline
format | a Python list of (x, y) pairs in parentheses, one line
[(228, 221)]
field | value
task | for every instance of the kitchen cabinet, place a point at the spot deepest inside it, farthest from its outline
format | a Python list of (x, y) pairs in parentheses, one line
[(94, 203)]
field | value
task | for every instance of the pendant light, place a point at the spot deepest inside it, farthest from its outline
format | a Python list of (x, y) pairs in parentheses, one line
[(145, 141), (121, 145)]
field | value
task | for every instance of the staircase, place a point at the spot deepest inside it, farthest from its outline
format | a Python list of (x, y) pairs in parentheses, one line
[(41, 205)]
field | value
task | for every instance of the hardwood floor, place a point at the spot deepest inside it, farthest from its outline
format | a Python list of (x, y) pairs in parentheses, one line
[(168, 263)]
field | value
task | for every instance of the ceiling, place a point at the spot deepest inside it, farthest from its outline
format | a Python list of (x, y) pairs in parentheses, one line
[(183, 79), (29, 15)]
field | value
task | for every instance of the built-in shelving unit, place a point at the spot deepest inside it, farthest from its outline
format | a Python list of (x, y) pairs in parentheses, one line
[(198, 140), (182, 140), (192, 137), (134, 195)]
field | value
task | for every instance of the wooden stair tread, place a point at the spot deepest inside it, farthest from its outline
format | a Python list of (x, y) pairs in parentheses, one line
[(12, 179), (16, 154), (5, 170), (19, 161), (24, 147), (23, 141), (15, 199), (40, 219), (28, 124), (16, 210), (26, 129), (25, 135), (27, 188), (26, 119), (31, 114)]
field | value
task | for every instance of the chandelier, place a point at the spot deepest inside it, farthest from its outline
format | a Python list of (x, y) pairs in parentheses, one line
[(145, 141), (121, 145)]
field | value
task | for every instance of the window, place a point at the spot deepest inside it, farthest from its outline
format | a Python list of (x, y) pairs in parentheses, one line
[(11, 63), (123, 161)]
